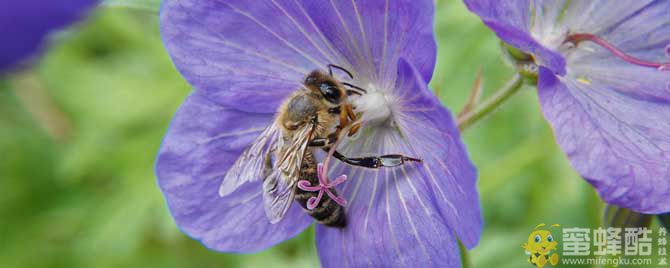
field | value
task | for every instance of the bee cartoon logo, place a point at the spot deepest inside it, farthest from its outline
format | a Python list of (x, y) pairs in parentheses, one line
[(541, 246)]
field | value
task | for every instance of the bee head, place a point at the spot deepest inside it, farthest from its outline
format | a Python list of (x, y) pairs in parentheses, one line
[(327, 86)]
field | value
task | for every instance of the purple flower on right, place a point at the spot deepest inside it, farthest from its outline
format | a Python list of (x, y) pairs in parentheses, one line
[(604, 86)]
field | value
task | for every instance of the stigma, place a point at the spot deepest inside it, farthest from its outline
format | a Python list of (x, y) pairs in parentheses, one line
[(575, 39)]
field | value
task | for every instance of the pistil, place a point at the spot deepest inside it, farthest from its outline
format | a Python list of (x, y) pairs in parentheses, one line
[(581, 37), (323, 187)]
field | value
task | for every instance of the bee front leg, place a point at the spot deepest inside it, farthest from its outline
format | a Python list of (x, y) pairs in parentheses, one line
[(354, 129), (342, 116), (351, 115), (344, 120)]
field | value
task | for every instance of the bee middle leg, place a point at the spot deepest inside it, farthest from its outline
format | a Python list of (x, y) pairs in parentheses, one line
[(323, 142)]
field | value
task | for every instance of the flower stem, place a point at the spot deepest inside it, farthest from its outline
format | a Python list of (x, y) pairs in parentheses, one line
[(466, 262), (466, 120), (130, 5)]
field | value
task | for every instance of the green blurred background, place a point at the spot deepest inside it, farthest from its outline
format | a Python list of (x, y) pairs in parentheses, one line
[(80, 131)]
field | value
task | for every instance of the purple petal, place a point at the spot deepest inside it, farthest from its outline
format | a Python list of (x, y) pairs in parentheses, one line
[(204, 140), (250, 55), (640, 30), (26, 23), (412, 214), (374, 34), (631, 80), (618, 142), (510, 20), (436, 139), (614, 20), (515, 13), (609, 116)]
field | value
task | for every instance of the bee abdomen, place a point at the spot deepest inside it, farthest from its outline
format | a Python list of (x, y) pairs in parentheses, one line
[(327, 212)]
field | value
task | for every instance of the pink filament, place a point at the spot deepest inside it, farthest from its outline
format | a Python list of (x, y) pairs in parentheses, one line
[(577, 38), (324, 186)]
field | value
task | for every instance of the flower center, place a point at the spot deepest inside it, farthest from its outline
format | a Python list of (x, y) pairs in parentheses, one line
[(375, 106), (581, 37)]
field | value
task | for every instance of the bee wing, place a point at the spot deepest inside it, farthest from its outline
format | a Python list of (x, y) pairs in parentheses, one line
[(252, 165), (278, 187)]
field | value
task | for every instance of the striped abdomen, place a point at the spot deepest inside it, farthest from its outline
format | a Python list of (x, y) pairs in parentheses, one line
[(327, 212)]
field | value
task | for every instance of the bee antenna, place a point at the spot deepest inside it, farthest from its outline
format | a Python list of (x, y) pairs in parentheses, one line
[(331, 66), (354, 91)]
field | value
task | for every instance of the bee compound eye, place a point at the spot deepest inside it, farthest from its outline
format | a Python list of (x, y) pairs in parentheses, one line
[(538, 239), (550, 238), (330, 92)]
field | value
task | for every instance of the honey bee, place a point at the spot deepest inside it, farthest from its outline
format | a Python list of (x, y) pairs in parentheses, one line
[(310, 118)]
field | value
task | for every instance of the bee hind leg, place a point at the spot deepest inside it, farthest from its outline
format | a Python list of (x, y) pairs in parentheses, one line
[(389, 160)]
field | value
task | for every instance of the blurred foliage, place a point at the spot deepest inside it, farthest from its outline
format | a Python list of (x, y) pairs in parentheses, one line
[(79, 135)]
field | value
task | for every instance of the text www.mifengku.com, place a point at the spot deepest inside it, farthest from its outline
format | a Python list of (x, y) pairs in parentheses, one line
[(607, 261)]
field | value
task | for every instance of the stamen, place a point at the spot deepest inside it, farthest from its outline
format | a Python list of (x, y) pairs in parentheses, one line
[(583, 80), (578, 38), (324, 186)]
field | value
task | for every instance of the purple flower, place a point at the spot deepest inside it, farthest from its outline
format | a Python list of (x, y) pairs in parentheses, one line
[(26, 23), (603, 87), (245, 57)]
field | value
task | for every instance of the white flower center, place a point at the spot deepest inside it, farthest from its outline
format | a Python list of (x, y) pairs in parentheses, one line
[(552, 38), (375, 106)]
